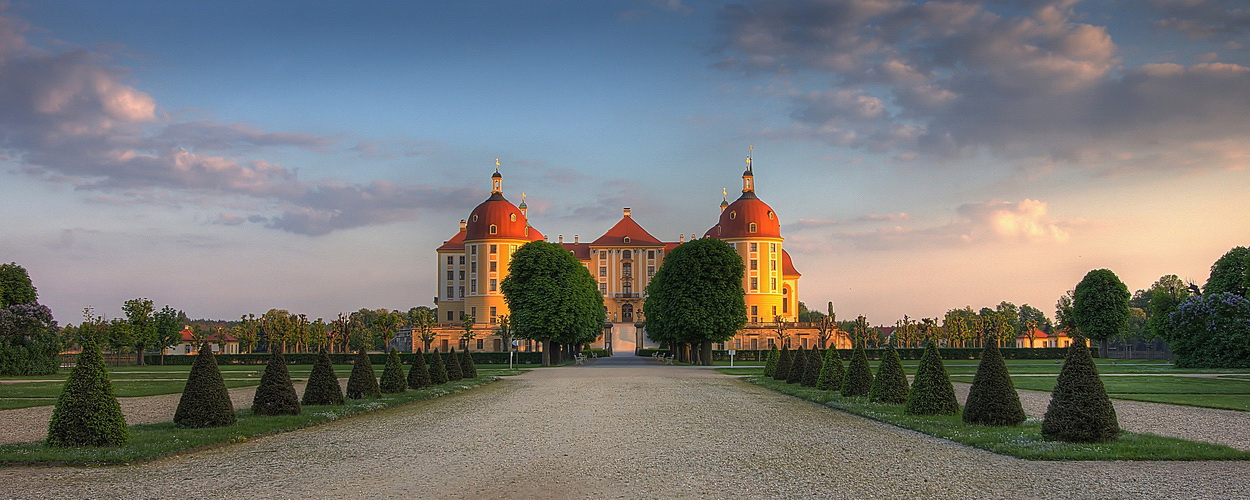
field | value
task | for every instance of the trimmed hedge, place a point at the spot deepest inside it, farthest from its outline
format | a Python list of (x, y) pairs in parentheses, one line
[(87, 412), (323, 384), (347, 358), (890, 384), (993, 399), (931, 390), (205, 402), (393, 380), (831, 372), (1079, 410), (451, 363), (362, 382), (418, 374), (857, 381), (276, 394), (910, 353)]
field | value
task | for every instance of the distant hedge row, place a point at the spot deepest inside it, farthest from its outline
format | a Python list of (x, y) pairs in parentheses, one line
[(344, 358), (903, 353)]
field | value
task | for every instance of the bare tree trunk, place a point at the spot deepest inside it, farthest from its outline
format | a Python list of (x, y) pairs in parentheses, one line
[(706, 358), (547, 361)]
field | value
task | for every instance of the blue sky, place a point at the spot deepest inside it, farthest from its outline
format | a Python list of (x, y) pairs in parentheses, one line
[(236, 156)]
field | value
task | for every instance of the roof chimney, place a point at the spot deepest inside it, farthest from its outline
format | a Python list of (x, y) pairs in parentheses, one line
[(575, 239), (562, 239), (681, 238), (463, 224), (627, 211)]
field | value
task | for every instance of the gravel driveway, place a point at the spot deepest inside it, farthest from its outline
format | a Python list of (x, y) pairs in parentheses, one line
[(618, 428)]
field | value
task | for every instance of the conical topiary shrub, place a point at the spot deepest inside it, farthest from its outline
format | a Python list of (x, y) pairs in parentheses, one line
[(858, 378), (931, 391), (205, 402), (890, 384), (452, 364), (797, 365), (770, 363), (393, 381), (276, 394), (323, 384), (418, 374), (831, 372), (87, 412), (362, 382), (782, 371), (1080, 410), (814, 361), (438, 370), (467, 368), (993, 399)]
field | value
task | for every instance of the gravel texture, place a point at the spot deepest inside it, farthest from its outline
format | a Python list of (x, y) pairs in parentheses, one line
[(618, 428)]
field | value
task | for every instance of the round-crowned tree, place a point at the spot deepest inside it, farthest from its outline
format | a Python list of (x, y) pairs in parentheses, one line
[(696, 297), (890, 384), (87, 412), (362, 382), (1079, 410), (418, 374), (205, 402), (931, 391), (276, 394), (831, 371), (815, 359), (323, 384), (452, 363), (1231, 273), (858, 378), (552, 298), (1100, 306), (797, 366), (782, 371), (393, 380), (770, 362), (467, 368), (993, 399), (438, 370)]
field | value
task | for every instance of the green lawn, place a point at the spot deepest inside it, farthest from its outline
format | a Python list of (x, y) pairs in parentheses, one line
[(1023, 441), (1225, 393)]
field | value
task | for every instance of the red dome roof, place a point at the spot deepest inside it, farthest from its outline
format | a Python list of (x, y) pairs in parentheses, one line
[(736, 220), (507, 219)]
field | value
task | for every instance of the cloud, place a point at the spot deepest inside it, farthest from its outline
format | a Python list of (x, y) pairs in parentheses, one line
[(990, 222), (953, 80), (1220, 19), (803, 224), (69, 118)]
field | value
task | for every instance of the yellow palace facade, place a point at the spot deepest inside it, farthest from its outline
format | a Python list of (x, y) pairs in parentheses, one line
[(473, 262)]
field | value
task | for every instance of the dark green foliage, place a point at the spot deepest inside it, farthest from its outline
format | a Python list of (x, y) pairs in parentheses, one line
[(15, 286), (1211, 331), (1231, 273), (1079, 410), (452, 364), (770, 364), (857, 381), (323, 384), (1100, 305), (782, 371), (551, 296), (993, 399), (467, 368), (696, 296), (276, 394), (797, 366), (815, 359), (205, 402), (362, 382), (418, 374), (29, 340), (890, 384), (87, 412), (931, 391), (831, 372), (393, 380), (438, 371)]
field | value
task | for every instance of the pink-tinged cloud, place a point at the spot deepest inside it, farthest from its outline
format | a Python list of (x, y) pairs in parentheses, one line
[(991, 222), (69, 118)]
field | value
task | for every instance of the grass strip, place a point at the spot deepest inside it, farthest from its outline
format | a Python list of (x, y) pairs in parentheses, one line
[(1023, 441), (151, 441), (1220, 393)]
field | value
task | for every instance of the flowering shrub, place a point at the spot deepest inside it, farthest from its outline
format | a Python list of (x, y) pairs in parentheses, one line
[(1211, 331), (28, 340)]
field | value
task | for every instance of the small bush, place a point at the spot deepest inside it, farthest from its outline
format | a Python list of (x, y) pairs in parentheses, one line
[(831, 372), (323, 384), (993, 399), (452, 364), (814, 361), (890, 384), (362, 382), (438, 371), (931, 391), (858, 378), (418, 374), (393, 380), (770, 365), (205, 402), (1079, 410), (782, 371), (798, 365), (87, 412), (276, 394), (467, 368)]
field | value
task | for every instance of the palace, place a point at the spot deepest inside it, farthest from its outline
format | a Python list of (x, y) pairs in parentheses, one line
[(473, 263)]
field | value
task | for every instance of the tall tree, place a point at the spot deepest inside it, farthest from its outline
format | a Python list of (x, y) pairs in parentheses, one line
[(1064, 320), (15, 286), (504, 330), (552, 297), (1231, 273), (826, 327), (168, 330), (696, 296), (249, 332), (467, 334), (1165, 295), (1100, 306), (423, 326), (142, 325)]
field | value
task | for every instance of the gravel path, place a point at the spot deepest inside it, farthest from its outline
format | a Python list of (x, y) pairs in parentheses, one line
[(618, 428)]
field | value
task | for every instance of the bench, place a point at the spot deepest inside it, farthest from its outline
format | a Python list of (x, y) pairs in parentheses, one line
[(579, 359)]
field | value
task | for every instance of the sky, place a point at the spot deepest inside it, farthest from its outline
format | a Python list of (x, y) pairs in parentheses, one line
[(236, 156)]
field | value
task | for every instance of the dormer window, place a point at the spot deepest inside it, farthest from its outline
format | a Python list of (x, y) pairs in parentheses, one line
[(513, 216), (474, 217), (770, 215), (732, 215), (626, 240), (495, 229), (751, 228)]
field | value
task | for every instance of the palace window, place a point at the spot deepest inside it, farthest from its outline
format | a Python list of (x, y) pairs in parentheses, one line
[(451, 292), (461, 291), (494, 249), (461, 260), (603, 288), (512, 217), (755, 247), (480, 341), (449, 260), (650, 254), (773, 264), (492, 320), (493, 285), (627, 269), (449, 316), (451, 275), (603, 271), (627, 254), (472, 286), (755, 264), (494, 266), (495, 229), (472, 250), (626, 240), (755, 310), (772, 247), (472, 267), (774, 284), (603, 254), (774, 311), (751, 228), (650, 270), (755, 283), (462, 274)]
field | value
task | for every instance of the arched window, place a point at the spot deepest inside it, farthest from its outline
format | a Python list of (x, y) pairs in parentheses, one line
[(732, 215), (495, 229), (626, 240), (627, 254), (751, 227), (513, 217)]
